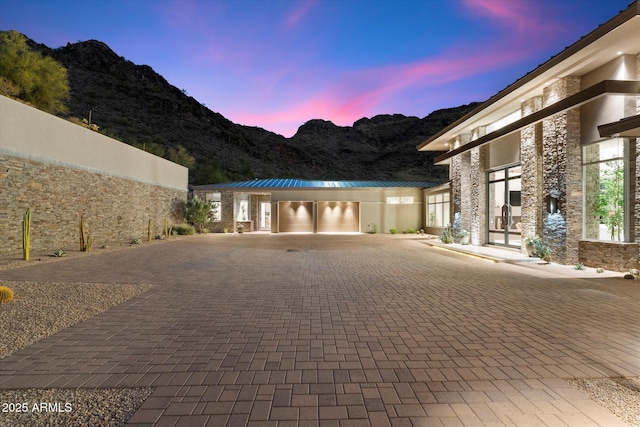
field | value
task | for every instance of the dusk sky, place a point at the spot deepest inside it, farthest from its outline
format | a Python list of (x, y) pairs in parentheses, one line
[(279, 63)]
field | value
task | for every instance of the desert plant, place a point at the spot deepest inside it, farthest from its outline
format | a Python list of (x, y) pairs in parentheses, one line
[(59, 253), (542, 250), (26, 234), (198, 212), (447, 235), (166, 228), (373, 228), (150, 230), (599, 270), (240, 228), (6, 294), (393, 230), (185, 229), (409, 230), (579, 266), (86, 242), (136, 242), (635, 273)]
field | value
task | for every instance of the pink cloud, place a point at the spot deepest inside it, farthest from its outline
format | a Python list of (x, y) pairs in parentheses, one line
[(521, 16), (363, 93), (299, 13)]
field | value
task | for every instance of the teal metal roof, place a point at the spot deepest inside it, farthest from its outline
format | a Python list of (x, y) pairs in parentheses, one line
[(275, 183)]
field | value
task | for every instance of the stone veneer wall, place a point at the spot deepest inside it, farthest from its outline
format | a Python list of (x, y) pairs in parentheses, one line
[(478, 195), (616, 256), (532, 176), (226, 217), (562, 173), (635, 191), (465, 192), (114, 208)]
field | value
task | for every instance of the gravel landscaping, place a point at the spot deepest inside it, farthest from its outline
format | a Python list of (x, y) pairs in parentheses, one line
[(40, 310), (70, 407), (619, 395)]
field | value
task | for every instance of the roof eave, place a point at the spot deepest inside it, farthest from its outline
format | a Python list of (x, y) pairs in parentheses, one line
[(632, 11)]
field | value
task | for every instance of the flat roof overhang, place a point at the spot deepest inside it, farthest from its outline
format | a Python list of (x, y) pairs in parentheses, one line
[(611, 39), (629, 127), (605, 87)]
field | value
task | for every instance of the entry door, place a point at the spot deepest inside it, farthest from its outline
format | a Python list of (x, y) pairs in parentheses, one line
[(265, 215), (504, 206)]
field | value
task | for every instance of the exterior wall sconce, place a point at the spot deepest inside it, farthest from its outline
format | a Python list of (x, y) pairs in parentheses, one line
[(552, 204)]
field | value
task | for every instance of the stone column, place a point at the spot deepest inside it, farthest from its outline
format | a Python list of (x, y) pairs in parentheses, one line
[(478, 195), (635, 188), (532, 177), (459, 178), (562, 173)]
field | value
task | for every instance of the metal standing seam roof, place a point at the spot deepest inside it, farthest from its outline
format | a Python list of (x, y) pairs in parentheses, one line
[(285, 183)]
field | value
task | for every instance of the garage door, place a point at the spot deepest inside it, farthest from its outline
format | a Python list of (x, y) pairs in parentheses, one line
[(338, 217), (295, 217)]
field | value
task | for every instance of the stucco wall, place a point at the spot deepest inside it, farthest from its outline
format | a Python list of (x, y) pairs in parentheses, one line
[(63, 171)]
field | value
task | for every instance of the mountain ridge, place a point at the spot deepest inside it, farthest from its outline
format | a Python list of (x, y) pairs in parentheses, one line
[(136, 105)]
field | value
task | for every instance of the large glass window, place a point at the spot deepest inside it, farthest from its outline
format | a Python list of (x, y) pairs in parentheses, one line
[(605, 184), (438, 210), (243, 207), (216, 206)]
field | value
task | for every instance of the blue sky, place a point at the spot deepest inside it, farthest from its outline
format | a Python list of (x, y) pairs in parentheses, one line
[(278, 63)]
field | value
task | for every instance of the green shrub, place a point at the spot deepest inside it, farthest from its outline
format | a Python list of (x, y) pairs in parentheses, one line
[(185, 229), (373, 228), (6, 294), (393, 230), (409, 231), (59, 253), (447, 235)]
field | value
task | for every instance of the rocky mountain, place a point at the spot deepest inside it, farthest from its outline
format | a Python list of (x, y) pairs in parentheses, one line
[(138, 106)]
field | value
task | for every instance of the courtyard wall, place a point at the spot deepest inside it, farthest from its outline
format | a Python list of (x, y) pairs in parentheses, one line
[(63, 171)]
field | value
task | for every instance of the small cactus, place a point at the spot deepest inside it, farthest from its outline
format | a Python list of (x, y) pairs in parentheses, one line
[(599, 270), (86, 242), (6, 294), (579, 266), (26, 234), (136, 242), (150, 230)]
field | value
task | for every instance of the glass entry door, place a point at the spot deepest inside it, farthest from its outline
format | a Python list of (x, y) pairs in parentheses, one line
[(265, 215), (504, 206)]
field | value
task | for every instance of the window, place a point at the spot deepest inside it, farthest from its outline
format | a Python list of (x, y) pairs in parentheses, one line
[(243, 207), (393, 200), (605, 182), (407, 200), (216, 206), (438, 210), (404, 200)]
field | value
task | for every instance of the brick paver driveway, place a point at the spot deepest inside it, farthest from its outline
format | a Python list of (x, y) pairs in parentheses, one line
[(267, 330)]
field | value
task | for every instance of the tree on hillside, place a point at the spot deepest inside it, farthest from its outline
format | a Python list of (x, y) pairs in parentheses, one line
[(39, 80), (181, 156)]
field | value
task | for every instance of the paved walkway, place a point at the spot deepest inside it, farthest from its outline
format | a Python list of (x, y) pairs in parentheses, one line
[(319, 330)]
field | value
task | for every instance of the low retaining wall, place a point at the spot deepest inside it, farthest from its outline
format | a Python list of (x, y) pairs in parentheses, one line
[(616, 256)]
